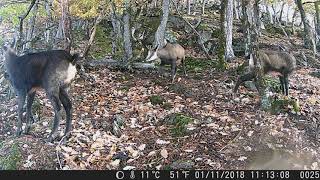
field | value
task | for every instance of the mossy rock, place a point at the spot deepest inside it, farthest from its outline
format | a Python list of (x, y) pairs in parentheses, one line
[(182, 164), (167, 106), (124, 88), (315, 74), (197, 64), (178, 122), (283, 105), (10, 156), (273, 84), (156, 100), (26, 153), (181, 89)]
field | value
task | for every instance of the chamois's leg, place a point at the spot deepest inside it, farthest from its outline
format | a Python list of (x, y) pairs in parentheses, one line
[(282, 84), (161, 68), (55, 101), (29, 115), (246, 77), (21, 101), (173, 71), (66, 102), (286, 80), (184, 66)]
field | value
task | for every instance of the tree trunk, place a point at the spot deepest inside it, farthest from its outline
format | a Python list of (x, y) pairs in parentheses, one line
[(93, 35), (117, 42), (189, 7), (308, 40), (21, 18), (269, 14), (275, 17), (66, 24), (229, 54), (48, 4), (281, 12), (317, 7), (30, 30), (204, 2), (287, 21), (154, 4), (126, 33), (293, 20), (247, 21), (160, 33), (256, 18), (222, 37), (236, 9)]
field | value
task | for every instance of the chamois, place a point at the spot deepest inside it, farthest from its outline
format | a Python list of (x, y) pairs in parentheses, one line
[(50, 70), (284, 63), (172, 54)]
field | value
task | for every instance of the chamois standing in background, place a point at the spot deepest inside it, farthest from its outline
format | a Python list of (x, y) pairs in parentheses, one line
[(52, 71), (171, 54), (284, 63)]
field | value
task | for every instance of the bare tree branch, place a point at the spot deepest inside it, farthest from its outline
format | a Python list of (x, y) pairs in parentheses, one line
[(190, 25), (33, 2)]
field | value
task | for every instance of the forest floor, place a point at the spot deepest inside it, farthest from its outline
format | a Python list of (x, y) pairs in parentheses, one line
[(140, 120), (223, 130)]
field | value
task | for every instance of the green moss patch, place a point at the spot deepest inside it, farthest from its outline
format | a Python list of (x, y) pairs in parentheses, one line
[(283, 105), (10, 156), (178, 121)]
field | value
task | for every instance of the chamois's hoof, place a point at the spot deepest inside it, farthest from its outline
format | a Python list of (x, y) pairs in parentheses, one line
[(32, 120), (27, 129), (18, 132), (52, 137), (66, 136)]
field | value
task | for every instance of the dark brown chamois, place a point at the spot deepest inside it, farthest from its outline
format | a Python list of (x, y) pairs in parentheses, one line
[(52, 71), (171, 54), (281, 62)]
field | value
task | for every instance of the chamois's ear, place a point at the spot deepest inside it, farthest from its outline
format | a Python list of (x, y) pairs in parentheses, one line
[(156, 48), (13, 43)]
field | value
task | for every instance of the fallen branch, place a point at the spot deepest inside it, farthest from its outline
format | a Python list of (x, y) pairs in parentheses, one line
[(116, 64), (232, 140), (59, 144)]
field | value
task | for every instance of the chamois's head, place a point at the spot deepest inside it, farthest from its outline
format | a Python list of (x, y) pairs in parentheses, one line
[(152, 54), (9, 50)]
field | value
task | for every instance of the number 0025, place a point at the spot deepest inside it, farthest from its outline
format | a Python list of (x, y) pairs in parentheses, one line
[(310, 174)]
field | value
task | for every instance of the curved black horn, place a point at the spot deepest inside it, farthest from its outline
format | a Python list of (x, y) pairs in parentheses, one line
[(13, 43)]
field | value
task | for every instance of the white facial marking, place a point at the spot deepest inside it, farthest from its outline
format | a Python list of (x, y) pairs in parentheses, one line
[(251, 63), (71, 73), (148, 56), (153, 57)]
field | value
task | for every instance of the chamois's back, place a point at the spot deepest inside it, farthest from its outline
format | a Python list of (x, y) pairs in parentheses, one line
[(172, 52), (279, 61), (37, 69)]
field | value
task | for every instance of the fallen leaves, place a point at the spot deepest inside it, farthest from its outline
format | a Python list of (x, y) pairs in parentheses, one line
[(164, 153)]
